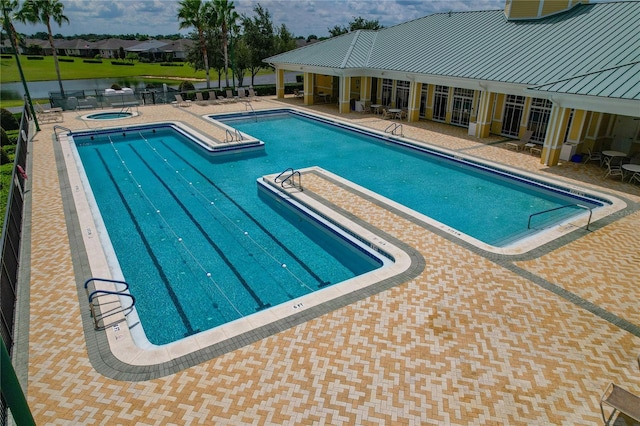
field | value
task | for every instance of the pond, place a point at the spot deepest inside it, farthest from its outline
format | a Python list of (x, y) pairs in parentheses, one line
[(41, 89)]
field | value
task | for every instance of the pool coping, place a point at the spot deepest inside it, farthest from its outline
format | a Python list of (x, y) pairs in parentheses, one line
[(112, 351)]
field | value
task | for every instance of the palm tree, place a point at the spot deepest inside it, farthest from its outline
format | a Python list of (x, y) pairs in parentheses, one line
[(197, 14), (9, 7), (226, 20), (42, 12)]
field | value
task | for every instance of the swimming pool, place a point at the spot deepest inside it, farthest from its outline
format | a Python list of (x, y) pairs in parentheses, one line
[(198, 245), (227, 174), (109, 115), (489, 206)]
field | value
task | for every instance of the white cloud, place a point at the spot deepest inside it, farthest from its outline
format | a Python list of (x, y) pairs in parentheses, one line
[(303, 18)]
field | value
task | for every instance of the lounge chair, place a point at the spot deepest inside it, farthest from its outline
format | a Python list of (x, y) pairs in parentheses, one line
[(242, 95), (621, 400), (230, 97), (252, 94), (200, 99), (48, 115), (213, 99), (181, 102), (517, 145)]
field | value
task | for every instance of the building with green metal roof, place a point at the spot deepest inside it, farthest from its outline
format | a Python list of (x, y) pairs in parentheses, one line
[(567, 70)]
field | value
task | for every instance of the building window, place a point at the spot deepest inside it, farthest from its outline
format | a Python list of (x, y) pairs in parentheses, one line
[(387, 89), (539, 118), (424, 95), (462, 105), (513, 108), (440, 103), (402, 94)]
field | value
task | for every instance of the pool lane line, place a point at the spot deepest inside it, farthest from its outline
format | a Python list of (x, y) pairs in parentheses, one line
[(236, 272), (321, 282), (163, 276)]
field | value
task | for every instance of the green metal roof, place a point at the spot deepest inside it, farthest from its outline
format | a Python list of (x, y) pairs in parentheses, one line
[(484, 45)]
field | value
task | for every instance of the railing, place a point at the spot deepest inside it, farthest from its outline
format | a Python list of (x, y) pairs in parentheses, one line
[(560, 208), (248, 106), (55, 130), (111, 307), (232, 136), (283, 178), (393, 127)]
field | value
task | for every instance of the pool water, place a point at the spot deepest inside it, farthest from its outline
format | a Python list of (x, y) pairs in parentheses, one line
[(196, 242), (200, 246), (478, 202), (109, 115)]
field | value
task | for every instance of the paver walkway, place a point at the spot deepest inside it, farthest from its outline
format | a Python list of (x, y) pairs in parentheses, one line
[(472, 340)]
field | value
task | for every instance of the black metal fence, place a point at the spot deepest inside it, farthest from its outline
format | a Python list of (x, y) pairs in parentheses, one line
[(11, 234), (11, 242)]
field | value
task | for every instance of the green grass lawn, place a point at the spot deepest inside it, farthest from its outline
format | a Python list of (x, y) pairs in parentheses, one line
[(41, 70)]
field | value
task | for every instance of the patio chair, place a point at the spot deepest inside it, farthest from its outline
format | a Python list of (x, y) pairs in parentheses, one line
[(614, 168), (593, 156), (386, 115), (517, 145), (622, 401), (181, 102)]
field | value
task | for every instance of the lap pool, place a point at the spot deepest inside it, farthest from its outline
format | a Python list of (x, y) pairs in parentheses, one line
[(201, 244)]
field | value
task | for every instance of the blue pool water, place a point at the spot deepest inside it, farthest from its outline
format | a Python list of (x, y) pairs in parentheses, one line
[(109, 115), (200, 245), (482, 203), (197, 243)]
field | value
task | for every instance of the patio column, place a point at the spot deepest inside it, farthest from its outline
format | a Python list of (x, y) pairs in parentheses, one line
[(415, 90), (345, 94), (365, 89), (308, 88), (483, 116), (554, 138), (279, 83)]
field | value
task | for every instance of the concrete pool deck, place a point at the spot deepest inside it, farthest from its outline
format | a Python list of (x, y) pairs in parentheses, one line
[(473, 339)]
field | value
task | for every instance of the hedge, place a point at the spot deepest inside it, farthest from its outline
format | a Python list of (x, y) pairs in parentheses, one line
[(122, 63), (39, 58)]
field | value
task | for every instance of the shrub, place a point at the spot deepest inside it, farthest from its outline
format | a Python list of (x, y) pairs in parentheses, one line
[(66, 60), (92, 61), (4, 138), (121, 63), (116, 86), (39, 58), (6, 56), (8, 121), (4, 157), (186, 86)]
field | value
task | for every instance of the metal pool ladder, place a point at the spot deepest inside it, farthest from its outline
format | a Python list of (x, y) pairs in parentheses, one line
[(288, 177), (393, 128), (110, 307)]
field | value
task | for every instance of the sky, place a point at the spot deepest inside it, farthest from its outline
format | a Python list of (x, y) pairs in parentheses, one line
[(302, 17)]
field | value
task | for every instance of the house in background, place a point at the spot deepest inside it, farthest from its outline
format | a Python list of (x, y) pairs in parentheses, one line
[(569, 71), (157, 50)]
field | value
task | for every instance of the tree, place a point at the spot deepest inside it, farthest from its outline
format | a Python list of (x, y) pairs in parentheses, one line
[(358, 23), (285, 40), (10, 7), (242, 59), (259, 38), (43, 11), (226, 18), (197, 14)]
